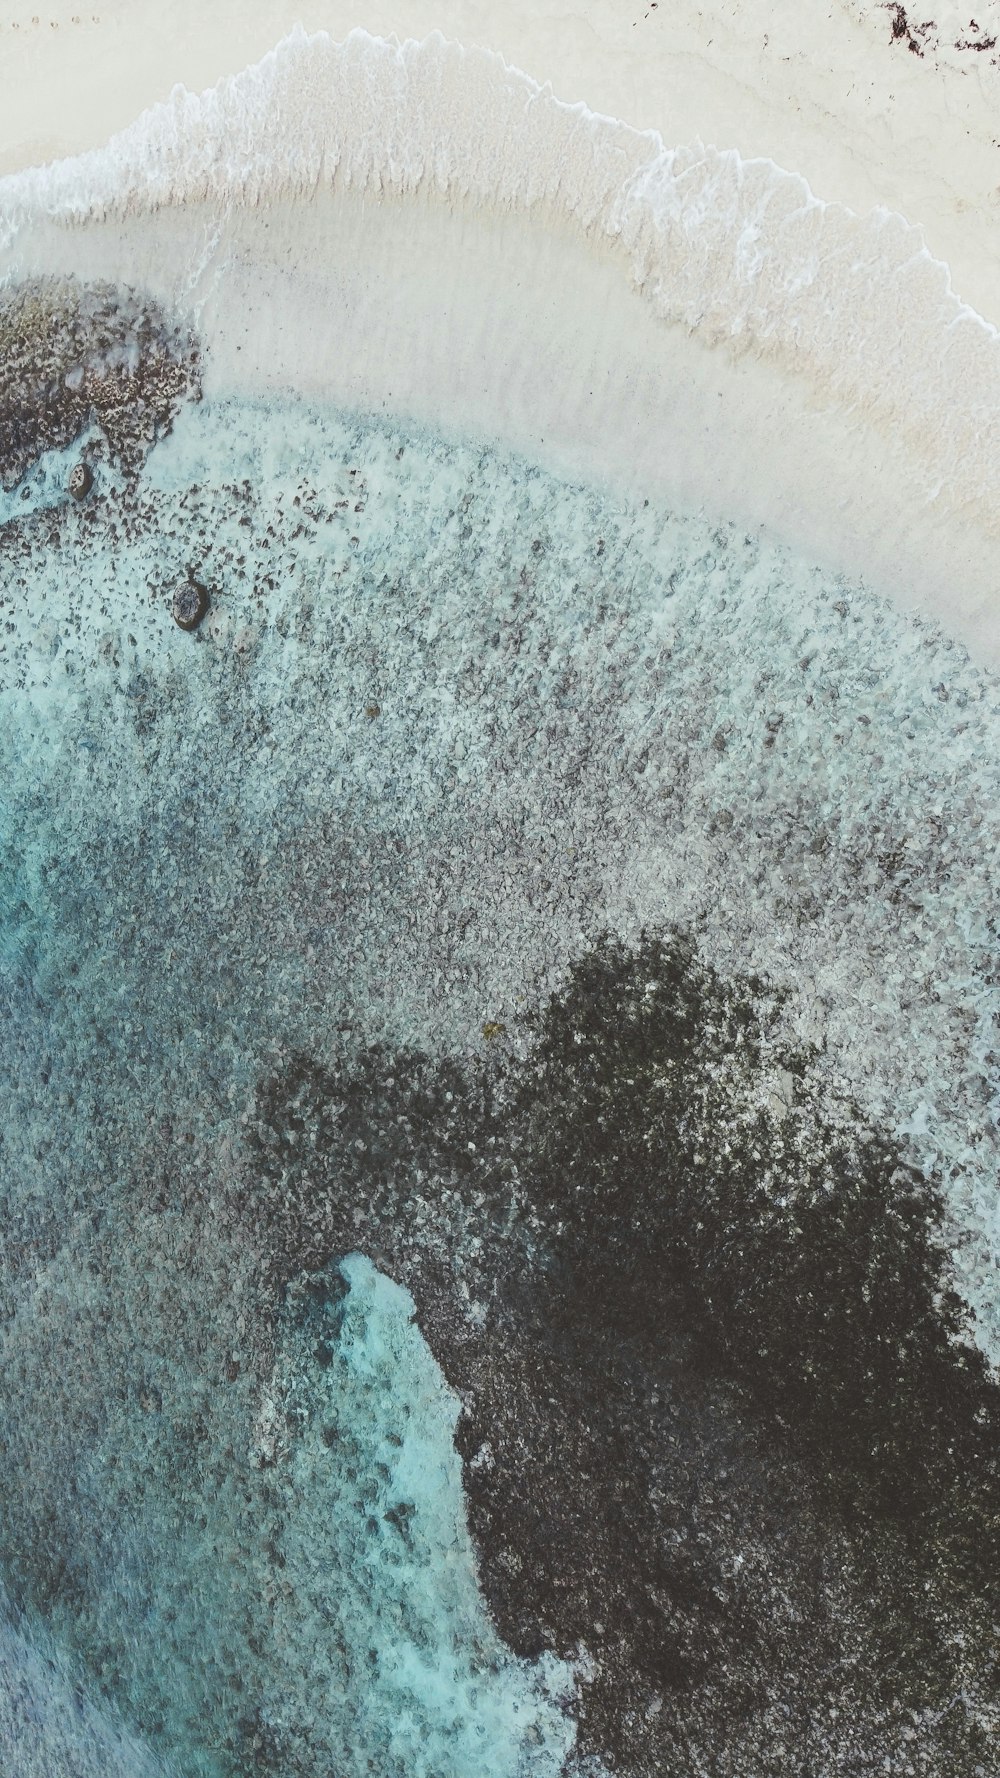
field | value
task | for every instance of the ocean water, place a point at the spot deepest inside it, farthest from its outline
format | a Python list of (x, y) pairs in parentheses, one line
[(447, 724), (499, 1155)]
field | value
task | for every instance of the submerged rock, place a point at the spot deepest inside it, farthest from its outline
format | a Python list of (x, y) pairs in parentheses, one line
[(81, 480), (718, 1428), (190, 604)]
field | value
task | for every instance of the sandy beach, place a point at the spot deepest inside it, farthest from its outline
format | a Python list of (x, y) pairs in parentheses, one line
[(824, 91)]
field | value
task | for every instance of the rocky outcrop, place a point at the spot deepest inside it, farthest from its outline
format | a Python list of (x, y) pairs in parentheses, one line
[(81, 480), (190, 603), (73, 355)]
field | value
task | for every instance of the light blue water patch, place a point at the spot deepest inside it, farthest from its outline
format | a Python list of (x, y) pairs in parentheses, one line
[(294, 1594), (406, 1674), (50, 1726)]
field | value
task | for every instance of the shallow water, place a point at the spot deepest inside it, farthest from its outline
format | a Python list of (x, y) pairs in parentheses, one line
[(447, 725), (451, 719)]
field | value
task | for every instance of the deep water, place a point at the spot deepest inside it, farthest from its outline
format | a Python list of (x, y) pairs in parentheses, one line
[(498, 1160)]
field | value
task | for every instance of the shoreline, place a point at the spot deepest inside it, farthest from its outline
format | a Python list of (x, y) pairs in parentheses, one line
[(540, 745), (835, 99), (721, 337), (682, 330)]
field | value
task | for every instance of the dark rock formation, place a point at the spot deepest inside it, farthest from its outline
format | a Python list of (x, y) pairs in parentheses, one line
[(81, 480), (190, 603)]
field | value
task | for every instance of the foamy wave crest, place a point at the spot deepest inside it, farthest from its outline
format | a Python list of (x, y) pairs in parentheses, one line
[(738, 251)]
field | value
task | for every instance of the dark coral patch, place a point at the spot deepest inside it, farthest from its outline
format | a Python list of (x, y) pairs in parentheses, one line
[(719, 1426), (801, 1242)]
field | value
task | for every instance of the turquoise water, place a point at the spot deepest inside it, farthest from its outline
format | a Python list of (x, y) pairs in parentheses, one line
[(446, 723), (339, 1606)]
